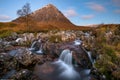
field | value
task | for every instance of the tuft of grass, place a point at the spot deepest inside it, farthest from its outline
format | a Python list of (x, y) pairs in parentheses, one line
[(5, 33)]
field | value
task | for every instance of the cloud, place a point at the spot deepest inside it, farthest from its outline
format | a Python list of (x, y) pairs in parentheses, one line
[(87, 16), (70, 13), (4, 17), (95, 6), (117, 11), (116, 2)]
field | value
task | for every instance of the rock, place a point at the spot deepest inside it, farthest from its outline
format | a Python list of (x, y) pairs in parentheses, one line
[(44, 70), (79, 54), (23, 56), (6, 63), (8, 47), (22, 74), (19, 41), (5, 45), (116, 74), (12, 37), (28, 37), (9, 74), (26, 57), (4, 57)]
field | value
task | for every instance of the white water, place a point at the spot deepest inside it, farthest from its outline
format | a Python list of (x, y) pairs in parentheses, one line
[(66, 57), (40, 50), (32, 46), (90, 57), (65, 65), (77, 42)]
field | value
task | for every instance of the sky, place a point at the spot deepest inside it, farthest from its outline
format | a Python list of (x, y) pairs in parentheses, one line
[(79, 12)]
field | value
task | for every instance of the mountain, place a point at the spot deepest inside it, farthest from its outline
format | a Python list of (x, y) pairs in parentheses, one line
[(49, 16), (49, 13)]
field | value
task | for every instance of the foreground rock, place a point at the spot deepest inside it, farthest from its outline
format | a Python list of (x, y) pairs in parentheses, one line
[(80, 56), (26, 57)]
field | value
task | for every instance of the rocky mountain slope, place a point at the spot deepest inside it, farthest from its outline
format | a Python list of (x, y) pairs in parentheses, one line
[(49, 16)]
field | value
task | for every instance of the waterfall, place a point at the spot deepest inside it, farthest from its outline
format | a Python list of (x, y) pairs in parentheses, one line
[(66, 57), (40, 50), (77, 42), (90, 57), (32, 46), (66, 66)]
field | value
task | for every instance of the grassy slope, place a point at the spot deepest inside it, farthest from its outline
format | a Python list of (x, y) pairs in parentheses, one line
[(109, 49), (16, 27)]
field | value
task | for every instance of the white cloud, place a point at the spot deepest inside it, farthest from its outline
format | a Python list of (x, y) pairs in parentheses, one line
[(70, 13), (4, 17), (95, 6), (87, 16), (117, 11)]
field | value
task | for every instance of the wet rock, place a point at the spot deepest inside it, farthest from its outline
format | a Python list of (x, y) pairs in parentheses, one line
[(5, 45), (26, 57), (8, 47), (44, 70), (9, 74), (23, 56), (4, 57), (79, 54), (22, 74), (36, 45), (6, 63)]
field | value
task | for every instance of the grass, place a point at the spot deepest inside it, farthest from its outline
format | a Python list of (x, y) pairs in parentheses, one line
[(5, 33)]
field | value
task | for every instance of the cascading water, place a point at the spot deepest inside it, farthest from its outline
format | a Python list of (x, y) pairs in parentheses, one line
[(66, 57), (77, 42), (40, 50), (32, 46), (65, 64), (90, 57)]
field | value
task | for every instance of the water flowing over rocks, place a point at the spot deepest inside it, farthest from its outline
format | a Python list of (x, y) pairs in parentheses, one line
[(37, 61)]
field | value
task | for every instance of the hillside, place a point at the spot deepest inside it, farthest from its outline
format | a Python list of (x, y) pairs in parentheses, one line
[(48, 17)]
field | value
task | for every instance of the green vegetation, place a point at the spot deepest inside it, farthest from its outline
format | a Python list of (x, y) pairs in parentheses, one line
[(5, 33), (108, 49)]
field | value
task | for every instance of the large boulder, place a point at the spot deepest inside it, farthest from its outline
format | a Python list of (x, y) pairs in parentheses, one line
[(26, 57), (80, 56), (22, 74)]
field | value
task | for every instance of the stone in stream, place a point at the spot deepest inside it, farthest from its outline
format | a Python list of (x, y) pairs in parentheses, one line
[(9, 74), (22, 74), (26, 57), (7, 64)]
